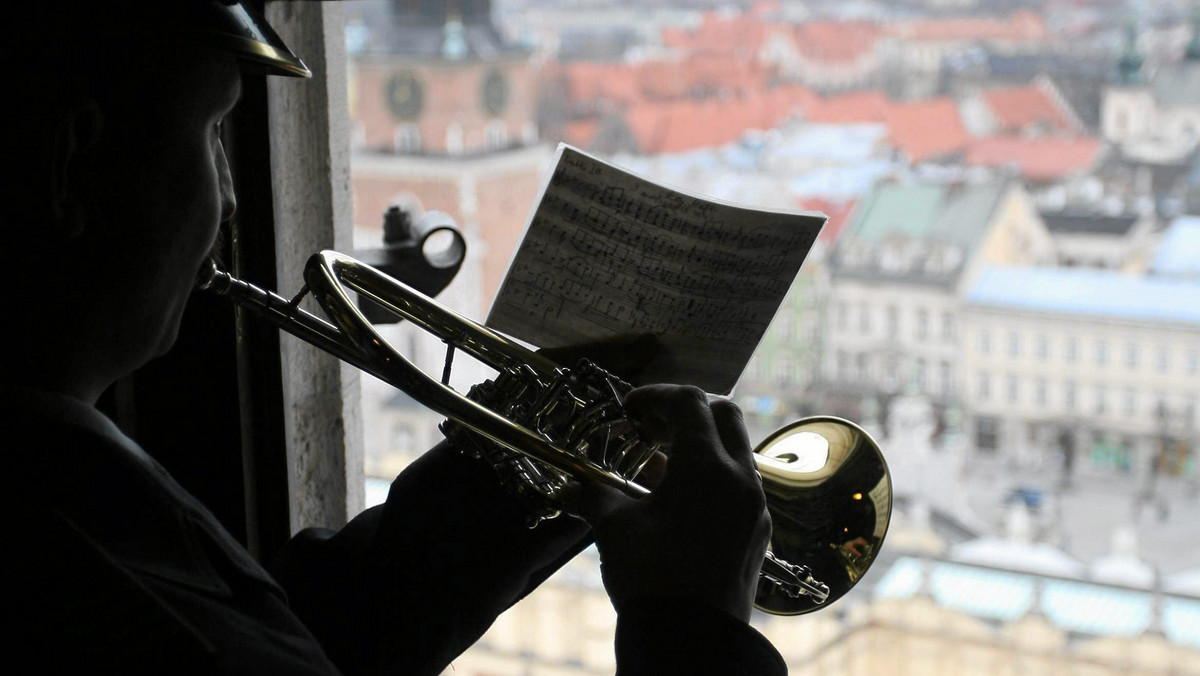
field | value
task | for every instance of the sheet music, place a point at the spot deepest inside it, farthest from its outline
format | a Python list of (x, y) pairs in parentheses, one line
[(606, 253)]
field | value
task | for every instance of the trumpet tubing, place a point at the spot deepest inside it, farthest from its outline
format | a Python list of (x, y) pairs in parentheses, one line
[(539, 424)]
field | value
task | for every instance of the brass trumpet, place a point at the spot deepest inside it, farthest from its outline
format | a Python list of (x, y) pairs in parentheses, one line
[(826, 482)]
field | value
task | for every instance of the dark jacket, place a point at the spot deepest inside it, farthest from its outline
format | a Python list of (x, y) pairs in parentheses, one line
[(119, 570)]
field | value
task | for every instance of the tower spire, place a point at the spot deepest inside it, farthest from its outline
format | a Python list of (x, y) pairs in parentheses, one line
[(1129, 66)]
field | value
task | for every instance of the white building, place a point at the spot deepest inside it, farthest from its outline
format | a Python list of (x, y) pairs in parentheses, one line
[(1113, 358), (1109, 242), (898, 278)]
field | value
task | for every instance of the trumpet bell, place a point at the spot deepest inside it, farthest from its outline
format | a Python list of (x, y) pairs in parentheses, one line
[(829, 493)]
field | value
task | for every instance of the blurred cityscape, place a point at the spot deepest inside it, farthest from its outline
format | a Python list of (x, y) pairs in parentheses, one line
[(1006, 294)]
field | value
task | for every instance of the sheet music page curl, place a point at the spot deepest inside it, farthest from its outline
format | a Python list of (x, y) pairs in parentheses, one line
[(609, 254)]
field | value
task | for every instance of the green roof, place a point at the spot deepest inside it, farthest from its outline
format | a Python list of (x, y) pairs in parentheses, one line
[(924, 233), (957, 215)]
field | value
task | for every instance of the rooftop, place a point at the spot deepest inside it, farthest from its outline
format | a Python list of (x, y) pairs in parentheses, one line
[(836, 41), (625, 83), (1017, 108), (1039, 159), (922, 130), (830, 143), (738, 35), (1022, 26), (923, 233), (838, 213), (860, 106), (927, 129), (1092, 293), (953, 214), (679, 126), (840, 182), (1087, 608), (1179, 252), (430, 31), (1070, 223)]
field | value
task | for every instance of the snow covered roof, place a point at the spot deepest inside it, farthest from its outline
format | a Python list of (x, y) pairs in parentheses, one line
[(1029, 557), (1185, 582), (1096, 293), (1179, 252), (1123, 569), (857, 142), (840, 183), (1075, 606)]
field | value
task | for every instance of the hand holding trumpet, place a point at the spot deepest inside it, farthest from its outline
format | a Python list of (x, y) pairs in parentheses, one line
[(702, 532)]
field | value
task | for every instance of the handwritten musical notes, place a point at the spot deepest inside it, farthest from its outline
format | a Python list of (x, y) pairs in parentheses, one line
[(608, 254)]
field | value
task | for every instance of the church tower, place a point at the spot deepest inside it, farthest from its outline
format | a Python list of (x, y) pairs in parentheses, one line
[(1127, 108), (1155, 115), (443, 116)]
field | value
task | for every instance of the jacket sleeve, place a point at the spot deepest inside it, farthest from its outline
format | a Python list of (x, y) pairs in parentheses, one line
[(674, 636), (407, 586)]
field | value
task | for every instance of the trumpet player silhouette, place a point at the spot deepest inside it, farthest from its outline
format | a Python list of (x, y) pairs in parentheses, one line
[(118, 185)]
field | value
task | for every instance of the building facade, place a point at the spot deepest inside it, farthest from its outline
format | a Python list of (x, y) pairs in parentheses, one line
[(898, 279), (1112, 360)]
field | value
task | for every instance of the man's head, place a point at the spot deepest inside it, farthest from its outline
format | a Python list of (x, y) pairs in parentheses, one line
[(115, 132)]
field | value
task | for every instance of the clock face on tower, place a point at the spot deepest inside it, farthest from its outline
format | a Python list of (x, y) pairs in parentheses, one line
[(405, 95), (494, 93)]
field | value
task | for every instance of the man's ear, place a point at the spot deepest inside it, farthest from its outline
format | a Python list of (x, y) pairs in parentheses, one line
[(77, 133)]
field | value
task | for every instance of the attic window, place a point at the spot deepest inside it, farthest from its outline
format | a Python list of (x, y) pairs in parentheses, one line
[(893, 260), (935, 262), (854, 254)]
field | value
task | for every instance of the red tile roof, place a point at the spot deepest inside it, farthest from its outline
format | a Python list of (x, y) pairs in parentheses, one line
[(679, 126), (1038, 158), (927, 129), (762, 7), (836, 41), (860, 106), (922, 130), (590, 82), (738, 34), (838, 213), (660, 80), (581, 132), (1023, 26), (790, 99), (1017, 108), (711, 72)]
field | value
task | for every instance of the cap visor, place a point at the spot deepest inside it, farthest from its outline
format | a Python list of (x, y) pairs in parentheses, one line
[(247, 34)]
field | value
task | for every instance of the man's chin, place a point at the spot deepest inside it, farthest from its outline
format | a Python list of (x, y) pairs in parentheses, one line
[(170, 333)]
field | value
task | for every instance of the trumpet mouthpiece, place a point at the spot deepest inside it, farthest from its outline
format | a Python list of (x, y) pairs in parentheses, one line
[(211, 278)]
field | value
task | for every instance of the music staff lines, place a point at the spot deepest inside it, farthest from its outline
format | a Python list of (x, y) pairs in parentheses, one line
[(607, 253)]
